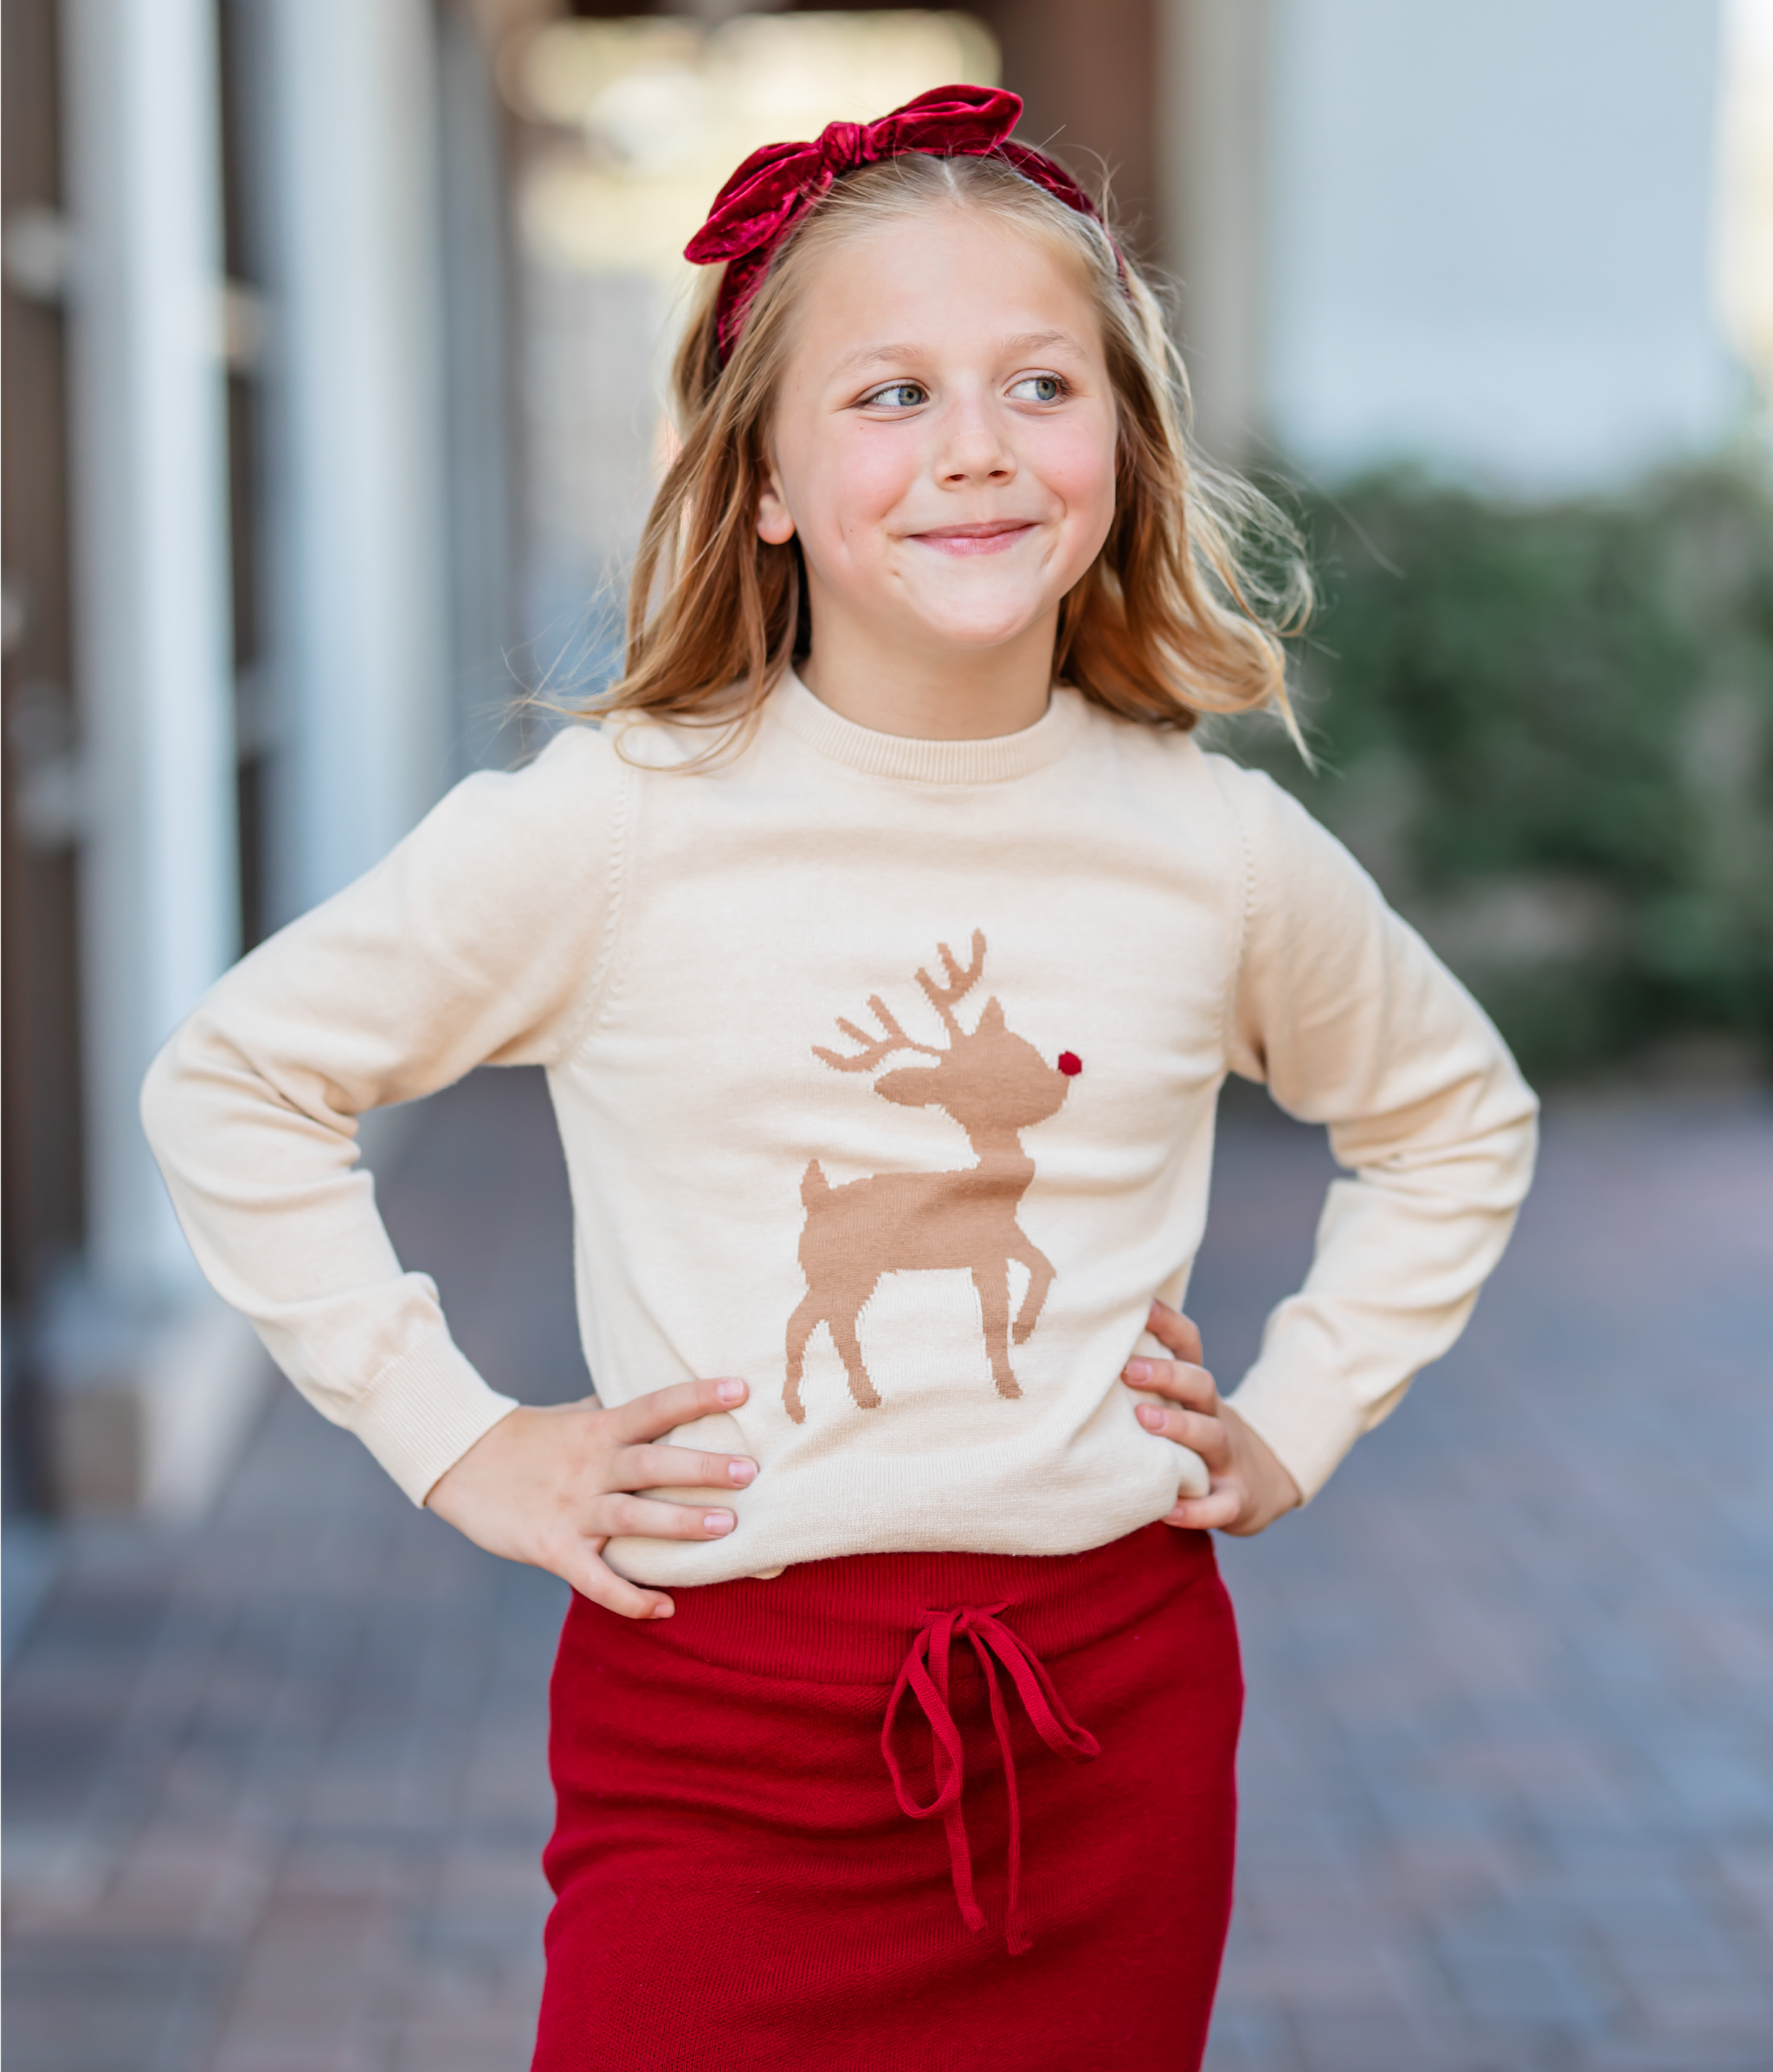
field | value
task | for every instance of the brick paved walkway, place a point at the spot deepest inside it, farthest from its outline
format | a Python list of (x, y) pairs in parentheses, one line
[(276, 1787), (1508, 1775)]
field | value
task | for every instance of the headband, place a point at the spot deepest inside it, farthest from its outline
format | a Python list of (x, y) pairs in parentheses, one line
[(777, 185)]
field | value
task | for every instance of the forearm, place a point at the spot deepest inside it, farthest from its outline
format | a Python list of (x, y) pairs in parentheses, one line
[(478, 939), (1352, 1021), (282, 1219), (1403, 1247)]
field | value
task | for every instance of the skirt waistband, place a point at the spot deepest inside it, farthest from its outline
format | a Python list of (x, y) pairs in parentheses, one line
[(848, 1620)]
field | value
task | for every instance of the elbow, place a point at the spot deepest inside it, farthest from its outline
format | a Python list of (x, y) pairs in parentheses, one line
[(1490, 1141), (165, 1103), (1491, 1170), (159, 1097), (1514, 1125)]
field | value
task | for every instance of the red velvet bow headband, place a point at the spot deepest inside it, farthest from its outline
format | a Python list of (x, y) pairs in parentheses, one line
[(775, 186)]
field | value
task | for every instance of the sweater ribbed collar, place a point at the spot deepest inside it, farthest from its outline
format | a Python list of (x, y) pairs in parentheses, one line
[(987, 762)]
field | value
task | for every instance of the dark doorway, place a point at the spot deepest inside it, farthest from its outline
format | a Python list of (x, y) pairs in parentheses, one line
[(39, 1162)]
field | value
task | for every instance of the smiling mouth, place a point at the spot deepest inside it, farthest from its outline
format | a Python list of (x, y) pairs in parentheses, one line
[(989, 538)]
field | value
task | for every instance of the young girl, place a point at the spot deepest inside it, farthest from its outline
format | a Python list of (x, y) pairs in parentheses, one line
[(887, 945)]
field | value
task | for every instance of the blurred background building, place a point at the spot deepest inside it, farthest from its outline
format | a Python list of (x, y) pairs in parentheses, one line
[(334, 331)]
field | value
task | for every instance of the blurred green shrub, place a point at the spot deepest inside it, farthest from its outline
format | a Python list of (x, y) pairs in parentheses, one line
[(1548, 731)]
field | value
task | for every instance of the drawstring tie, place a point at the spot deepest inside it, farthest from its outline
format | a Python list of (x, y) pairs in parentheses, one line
[(926, 1672)]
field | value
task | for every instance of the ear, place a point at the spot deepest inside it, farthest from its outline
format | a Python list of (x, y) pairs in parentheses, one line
[(991, 1021), (775, 519)]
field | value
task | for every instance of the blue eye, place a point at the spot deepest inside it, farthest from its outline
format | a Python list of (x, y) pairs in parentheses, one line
[(901, 395), (1047, 387)]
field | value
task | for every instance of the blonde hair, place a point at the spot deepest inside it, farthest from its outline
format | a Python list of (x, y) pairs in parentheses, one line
[(1183, 611)]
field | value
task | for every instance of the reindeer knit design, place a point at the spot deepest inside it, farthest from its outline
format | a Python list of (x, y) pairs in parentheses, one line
[(995, 1085), (752, 1195)]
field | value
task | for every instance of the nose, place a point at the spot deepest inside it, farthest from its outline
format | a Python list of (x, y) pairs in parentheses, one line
[(1070, 1063), (975, 449)]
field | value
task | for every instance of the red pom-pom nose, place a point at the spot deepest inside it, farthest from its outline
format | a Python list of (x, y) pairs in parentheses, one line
[(1070, 1063)]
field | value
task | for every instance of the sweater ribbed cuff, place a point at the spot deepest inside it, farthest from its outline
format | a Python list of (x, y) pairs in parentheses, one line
[(1304, 1413), (422, 1412)]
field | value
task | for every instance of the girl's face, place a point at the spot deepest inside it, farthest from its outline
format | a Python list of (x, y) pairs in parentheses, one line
[(944, 440)]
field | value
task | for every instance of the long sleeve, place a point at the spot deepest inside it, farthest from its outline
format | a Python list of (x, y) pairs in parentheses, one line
[(480, 939), (1353, 1022)]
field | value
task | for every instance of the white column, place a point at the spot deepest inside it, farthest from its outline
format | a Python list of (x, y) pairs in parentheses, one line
[(359, 539), (1212, 170), (159, 861)]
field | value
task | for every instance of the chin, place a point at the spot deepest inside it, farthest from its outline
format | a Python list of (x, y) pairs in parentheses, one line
[(984, 630)]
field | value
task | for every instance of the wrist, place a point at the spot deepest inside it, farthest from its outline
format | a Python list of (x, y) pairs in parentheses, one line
[(1270, 1488)]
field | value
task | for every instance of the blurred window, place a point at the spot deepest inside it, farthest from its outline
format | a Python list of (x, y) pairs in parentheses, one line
[(650, 115)]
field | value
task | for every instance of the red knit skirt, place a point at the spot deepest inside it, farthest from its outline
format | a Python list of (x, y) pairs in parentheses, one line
[(897, 1811)]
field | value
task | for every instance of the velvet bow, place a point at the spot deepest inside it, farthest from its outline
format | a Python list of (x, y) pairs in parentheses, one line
[(779, 182)]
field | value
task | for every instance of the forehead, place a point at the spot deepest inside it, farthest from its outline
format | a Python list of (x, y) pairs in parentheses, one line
[(949, 275)]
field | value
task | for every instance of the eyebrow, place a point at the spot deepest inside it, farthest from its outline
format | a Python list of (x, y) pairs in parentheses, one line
[(1026, 341), (1031, 341)]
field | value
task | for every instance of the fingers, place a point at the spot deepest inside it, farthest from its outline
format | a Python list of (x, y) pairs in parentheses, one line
[(1196, 1423), (1190, 1386), (652, 1416), (639, 1518), (576, 1561), (1205, 1436), (593, 1578), (1219, 1509), (679, 1467), (1176, 1332)]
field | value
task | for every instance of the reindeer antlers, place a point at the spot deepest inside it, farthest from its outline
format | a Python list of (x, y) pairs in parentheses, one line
[(960, 983), (873, 1047), (942, 998)]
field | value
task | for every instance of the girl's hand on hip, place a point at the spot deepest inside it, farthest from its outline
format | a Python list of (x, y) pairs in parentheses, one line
[(1249, 1488), (554, 1486)]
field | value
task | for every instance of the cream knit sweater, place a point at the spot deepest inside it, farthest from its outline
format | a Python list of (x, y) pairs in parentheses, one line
[(886, 1071)]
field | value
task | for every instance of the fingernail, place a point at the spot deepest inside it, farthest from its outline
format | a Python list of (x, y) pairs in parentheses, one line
[(1150, 1417), (731, 1392), (719, 1521), (741, 1471), (664, 1610), (1137, 1369)]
